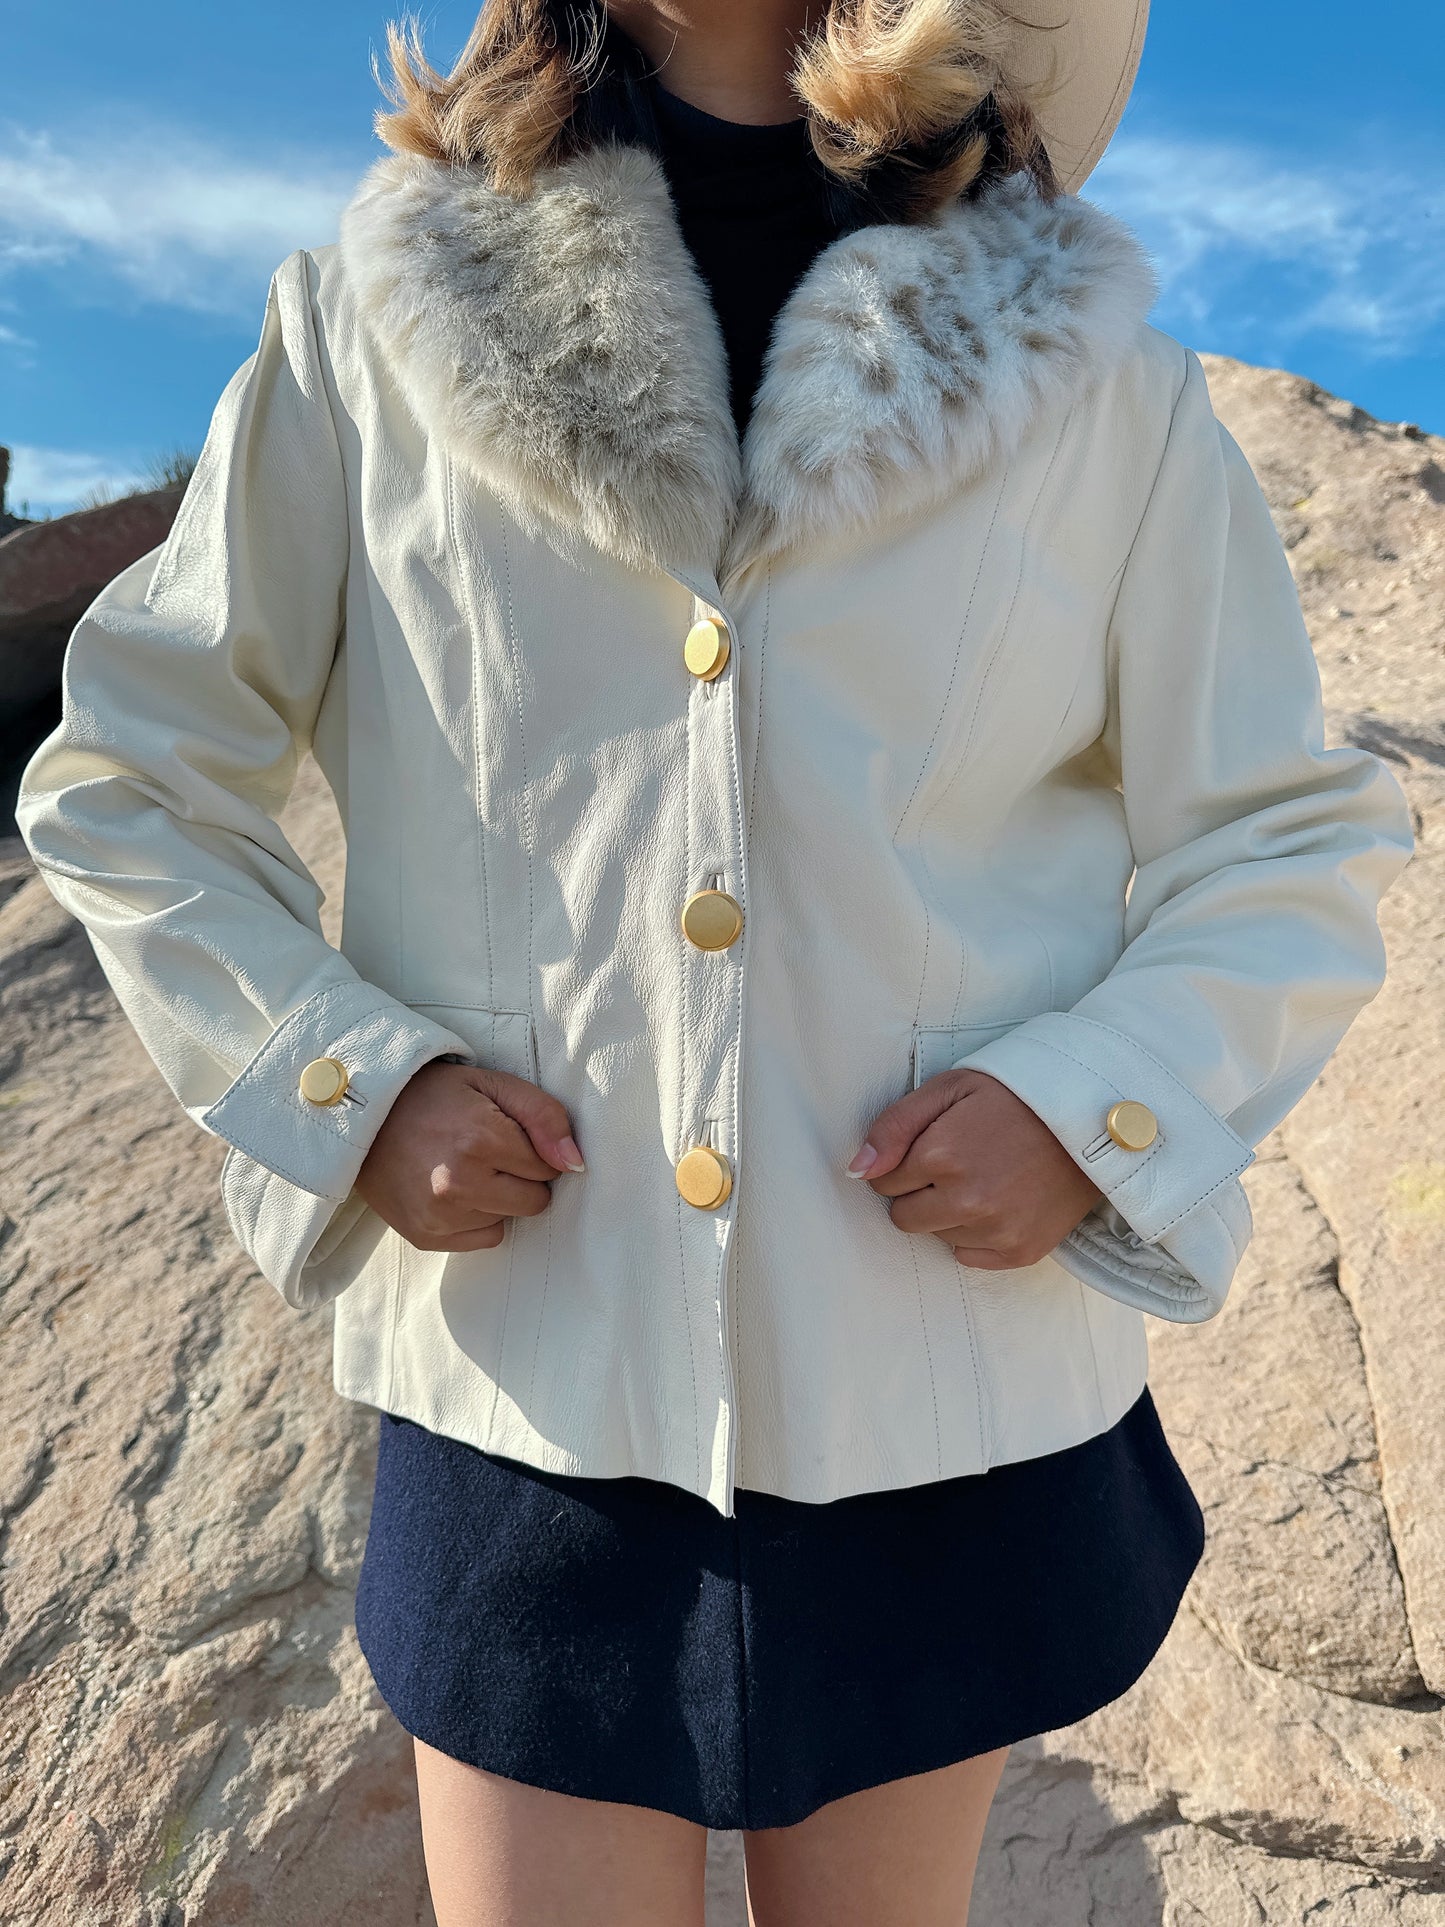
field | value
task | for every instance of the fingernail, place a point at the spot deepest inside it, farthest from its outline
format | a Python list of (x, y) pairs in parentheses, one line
[(571, 1156), (863, 1163)]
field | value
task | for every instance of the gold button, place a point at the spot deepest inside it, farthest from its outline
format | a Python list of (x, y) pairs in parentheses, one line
[(712, 919), (324, 1080), (1133, 1126), (703, 1177), (706, 650)]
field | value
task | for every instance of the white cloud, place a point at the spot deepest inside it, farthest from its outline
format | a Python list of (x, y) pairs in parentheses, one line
[(52, 480), (178, 221), (1349, 247), (1245, 240)]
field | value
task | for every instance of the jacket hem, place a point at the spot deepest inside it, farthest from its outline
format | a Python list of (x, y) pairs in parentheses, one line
[(361, 1373)]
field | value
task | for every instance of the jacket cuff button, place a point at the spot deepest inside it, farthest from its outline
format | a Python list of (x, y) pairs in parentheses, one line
[(324, 1080), (1132, 1126)]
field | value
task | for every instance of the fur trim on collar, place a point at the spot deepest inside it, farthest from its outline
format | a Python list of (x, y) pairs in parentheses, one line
[(564, 347), (910, 357)]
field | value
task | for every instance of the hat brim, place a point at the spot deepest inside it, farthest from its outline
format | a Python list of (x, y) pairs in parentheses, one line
[(1096, 46)]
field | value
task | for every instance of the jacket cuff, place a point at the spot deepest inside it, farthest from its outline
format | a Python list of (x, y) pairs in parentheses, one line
[(320, 1148), (1175, 1220), (294, 1238), (1185, 1277)]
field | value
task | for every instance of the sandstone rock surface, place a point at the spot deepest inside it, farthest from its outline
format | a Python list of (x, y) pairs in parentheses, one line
[(50, 572), (188, 1733)]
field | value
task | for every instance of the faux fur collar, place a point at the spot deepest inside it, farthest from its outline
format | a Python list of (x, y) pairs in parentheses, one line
[(564, 347)]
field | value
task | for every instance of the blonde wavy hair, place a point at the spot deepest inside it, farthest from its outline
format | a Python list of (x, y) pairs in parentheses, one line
[(881, 81)]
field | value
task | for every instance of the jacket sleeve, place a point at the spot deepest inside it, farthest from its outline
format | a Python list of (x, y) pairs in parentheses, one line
[(190, 690), (1251, 933)]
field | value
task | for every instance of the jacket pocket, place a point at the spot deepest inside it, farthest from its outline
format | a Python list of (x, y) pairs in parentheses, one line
[(936, 1047), (504, 1040)]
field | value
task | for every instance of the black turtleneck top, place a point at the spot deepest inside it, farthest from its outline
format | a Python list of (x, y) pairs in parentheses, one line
[(753, 204)]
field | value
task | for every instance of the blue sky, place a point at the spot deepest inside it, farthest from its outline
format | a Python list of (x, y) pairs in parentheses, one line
[(157, 161)]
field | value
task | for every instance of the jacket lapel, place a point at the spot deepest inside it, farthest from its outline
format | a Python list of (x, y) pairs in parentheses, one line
[(563, 346)]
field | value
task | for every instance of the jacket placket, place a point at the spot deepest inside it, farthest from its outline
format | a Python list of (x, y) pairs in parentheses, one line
[(711, 1008)]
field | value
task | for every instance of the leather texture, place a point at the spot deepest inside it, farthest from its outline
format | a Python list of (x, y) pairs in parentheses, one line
[(1017, 762)]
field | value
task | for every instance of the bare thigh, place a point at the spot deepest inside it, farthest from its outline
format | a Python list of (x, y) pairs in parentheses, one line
[(500, 1854), (900, 1855)]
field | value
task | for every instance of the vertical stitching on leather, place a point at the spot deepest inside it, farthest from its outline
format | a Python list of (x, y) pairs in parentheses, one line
[(1070, 706), (928, 1355), (927, 942), (542, 1302), (394, 1322), (528, 815), (681, 947), (511, 1238), (943, 710), (1093, 1351), (1004, 628), (758, 725), (511, 1234), (1038, 937), (685, 1010), (517, 1231), (740, 822), (471, 615), (981, 1413), (961, 760), (691, 1354), (957, 654)]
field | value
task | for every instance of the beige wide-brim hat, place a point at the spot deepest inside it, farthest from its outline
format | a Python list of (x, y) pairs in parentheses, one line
[(1096, 45)]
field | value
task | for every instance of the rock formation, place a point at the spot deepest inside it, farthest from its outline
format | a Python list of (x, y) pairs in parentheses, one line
[(188, 1734), (50, 573)]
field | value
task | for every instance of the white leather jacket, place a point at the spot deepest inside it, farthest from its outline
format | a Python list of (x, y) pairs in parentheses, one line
[(1007, 624)]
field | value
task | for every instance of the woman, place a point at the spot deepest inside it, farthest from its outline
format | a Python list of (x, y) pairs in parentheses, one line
[(760, 590)]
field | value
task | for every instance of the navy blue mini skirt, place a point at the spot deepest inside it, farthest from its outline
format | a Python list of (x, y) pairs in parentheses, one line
[(620, 1639)]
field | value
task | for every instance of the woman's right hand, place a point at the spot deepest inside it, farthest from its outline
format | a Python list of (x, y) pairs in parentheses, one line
[(461, 1150)]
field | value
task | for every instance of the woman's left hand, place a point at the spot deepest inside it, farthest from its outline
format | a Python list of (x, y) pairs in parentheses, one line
[(965, 1159)]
